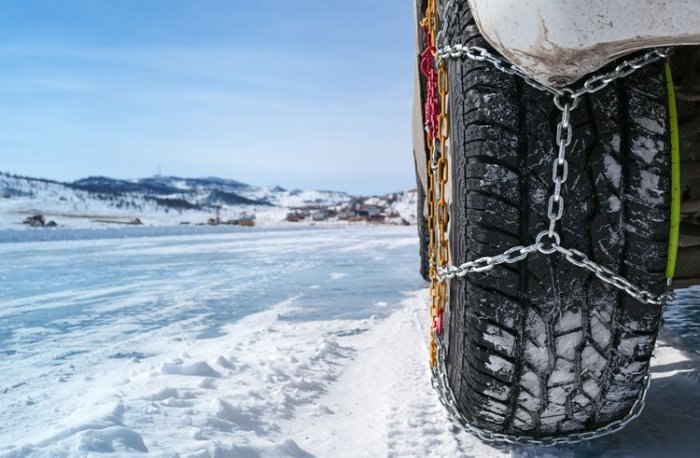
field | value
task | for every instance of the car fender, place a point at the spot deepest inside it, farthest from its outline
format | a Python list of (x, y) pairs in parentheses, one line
[(557, 42), (420, 154)]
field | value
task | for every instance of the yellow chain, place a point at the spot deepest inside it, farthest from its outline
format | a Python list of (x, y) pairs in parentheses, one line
[(438, 210)]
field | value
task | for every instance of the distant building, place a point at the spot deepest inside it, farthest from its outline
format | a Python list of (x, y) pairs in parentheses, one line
[(319, 215), (243, 220), (374, 211), (295, 217)]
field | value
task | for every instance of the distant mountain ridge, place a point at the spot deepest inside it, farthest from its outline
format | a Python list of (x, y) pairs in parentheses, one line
[(213, 190), (162, 184)]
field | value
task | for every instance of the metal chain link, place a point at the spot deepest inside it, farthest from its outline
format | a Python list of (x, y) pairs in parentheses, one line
[(606, 275), (480, 54), (592, 85), (626, 68), (547, 242), (440, 38), (510, 256), (441, 383)]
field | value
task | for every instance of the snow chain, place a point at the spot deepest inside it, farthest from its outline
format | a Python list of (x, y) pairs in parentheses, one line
[(434, 67), (437, 131)]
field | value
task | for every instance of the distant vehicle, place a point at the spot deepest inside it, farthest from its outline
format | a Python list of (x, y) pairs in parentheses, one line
[(35, 221), (557, 150)]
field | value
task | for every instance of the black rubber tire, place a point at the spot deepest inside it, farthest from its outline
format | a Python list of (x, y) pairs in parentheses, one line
[(423, 234), (542, 347)]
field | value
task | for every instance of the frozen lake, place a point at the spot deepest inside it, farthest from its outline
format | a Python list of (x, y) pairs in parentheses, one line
[(147, 283), (196, 340)]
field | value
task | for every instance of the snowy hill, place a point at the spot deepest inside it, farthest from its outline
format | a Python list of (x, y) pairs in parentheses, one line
[(99, 201)]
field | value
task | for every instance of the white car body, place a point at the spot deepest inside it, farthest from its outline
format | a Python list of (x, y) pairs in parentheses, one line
[(557, 42)]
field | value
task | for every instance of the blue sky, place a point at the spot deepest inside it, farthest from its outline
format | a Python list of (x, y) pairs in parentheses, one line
[(297, 93)]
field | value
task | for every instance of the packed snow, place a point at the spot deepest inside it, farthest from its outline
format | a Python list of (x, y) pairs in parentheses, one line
[(253, 343)]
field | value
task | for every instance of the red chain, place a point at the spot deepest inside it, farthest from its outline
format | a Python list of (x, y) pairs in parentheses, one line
[(432, 102), (438, 323), (432, 113)]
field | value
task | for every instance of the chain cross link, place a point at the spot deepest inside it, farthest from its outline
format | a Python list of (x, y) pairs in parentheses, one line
[(549, 242)]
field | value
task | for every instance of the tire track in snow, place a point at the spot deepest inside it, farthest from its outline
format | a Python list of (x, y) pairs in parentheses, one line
[(384, 404)]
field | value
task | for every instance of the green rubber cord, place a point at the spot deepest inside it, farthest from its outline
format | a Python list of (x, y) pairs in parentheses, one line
[(674, 236)]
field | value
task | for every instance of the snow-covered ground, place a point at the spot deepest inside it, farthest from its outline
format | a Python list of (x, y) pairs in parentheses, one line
[(247, 343)]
